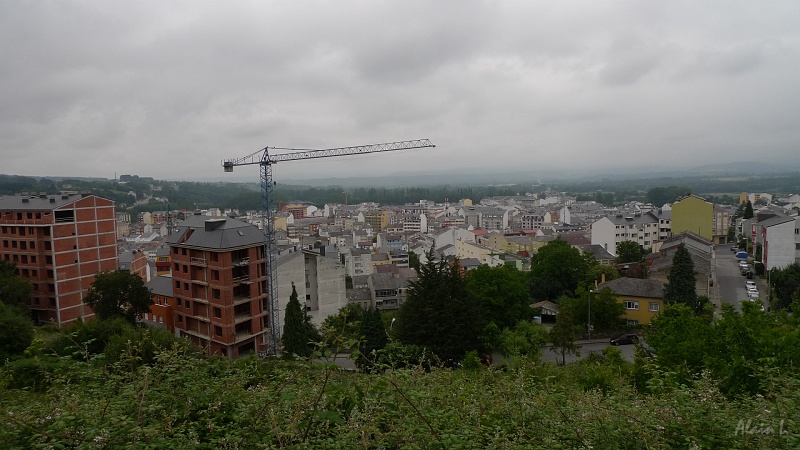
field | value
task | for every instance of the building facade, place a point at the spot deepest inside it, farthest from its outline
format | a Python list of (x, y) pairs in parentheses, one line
[(59, 243), (220, 285), (695, 214)]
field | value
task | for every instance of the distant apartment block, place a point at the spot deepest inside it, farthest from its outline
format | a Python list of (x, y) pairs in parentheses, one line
[(59, 243)]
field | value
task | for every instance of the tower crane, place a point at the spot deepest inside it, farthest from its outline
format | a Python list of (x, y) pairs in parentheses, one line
[(265, 160)]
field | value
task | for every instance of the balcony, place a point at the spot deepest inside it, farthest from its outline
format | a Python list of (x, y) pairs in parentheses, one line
[(241, 262), (244, 279), (198, 261)]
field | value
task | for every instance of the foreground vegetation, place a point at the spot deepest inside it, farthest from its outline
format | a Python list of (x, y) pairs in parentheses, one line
[(183, 401), (108, 384)]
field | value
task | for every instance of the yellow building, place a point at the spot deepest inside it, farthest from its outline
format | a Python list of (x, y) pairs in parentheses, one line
[(695, 214), (643, 299)]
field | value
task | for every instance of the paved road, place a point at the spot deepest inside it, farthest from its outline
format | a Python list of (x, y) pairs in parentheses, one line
[(731, 286), (595, 346)]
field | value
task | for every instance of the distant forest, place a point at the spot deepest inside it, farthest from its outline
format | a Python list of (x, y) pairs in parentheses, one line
[(137, 194)]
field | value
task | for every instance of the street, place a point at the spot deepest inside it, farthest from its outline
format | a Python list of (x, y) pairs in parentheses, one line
[(587, 347), (730, 282)]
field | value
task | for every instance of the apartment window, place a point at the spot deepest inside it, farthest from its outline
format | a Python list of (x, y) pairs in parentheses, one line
[(185, 269), (180, 318), (5, 243), (48, 245), (654, 307), (217, 313), (633, 322), (216, 293), (214, 257), (185, 286), (49, 273), (175, 251), (632, 305), (179, 301), (178, 286), (33, 245), (177, 267), (215, 275), (218, 330), (38, 215), (188, 304), (29, 215)]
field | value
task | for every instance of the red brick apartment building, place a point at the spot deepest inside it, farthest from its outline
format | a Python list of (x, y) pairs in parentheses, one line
[(59, 243), (220, 285)]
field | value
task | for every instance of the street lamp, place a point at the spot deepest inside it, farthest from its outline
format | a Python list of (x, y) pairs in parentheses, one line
[(589, 318)]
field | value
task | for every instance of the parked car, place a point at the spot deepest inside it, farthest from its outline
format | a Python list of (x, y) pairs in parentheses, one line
[(627, 338), (734, 249), (749, 283)]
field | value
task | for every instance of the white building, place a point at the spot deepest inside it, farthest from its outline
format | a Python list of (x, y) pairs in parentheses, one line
[(319, 282), (780, 240)]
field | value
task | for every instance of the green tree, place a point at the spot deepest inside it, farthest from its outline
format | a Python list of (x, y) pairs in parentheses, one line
[(557, 269), (373, 335), (440, 313), (525, 339), (680, 339), (748, 211), (785, 285), (502, 293), (413, 261), (629, 252), (16, 332), (119, 294), (343, 326), (14, 289), (607, 314), (680, 287), (296, 336), (661, 195), (563, 334)]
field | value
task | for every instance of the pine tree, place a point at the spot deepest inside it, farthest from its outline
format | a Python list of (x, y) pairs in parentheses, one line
[(440, 313), (748, 211), (373, 335), (680, 287), (295, 328)]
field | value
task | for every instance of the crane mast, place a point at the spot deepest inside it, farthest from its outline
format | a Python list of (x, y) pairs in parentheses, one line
[(266, 160)]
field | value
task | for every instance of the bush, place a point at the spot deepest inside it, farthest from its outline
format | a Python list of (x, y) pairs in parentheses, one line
[(32, 373), (16, 332)]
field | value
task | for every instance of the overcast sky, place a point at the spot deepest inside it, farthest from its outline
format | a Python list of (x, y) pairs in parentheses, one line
[(168, 89)]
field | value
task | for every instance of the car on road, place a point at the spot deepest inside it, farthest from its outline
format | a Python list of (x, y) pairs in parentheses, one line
[(627, 338), (750, 283), (753, 295), (734, 249)]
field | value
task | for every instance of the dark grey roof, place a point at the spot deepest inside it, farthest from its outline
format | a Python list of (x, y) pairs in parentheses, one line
[(36, 202), (358, 294), (215, 233), (598, 251), (162, 251), (379, 257), (160, 285), (381, 281), (635, 287), (772, 221), (469, 262)]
